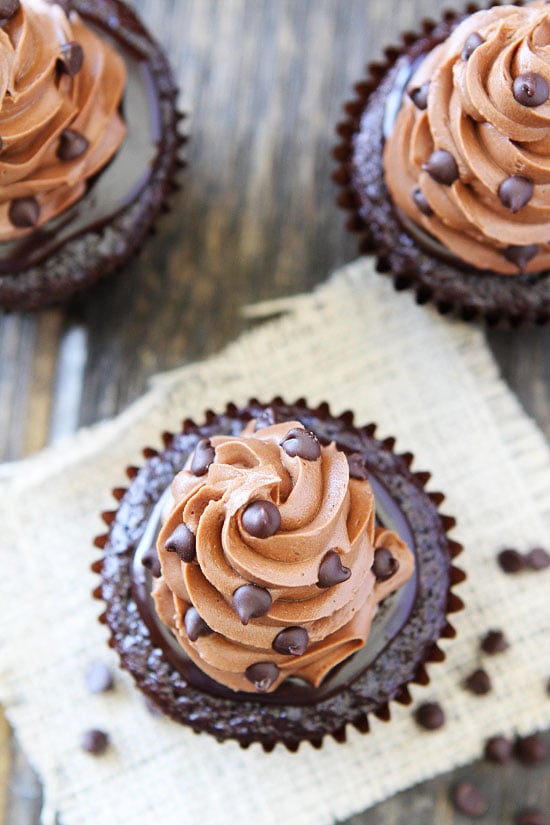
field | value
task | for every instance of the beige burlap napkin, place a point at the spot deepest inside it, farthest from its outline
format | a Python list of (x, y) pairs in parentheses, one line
[(357, 344)]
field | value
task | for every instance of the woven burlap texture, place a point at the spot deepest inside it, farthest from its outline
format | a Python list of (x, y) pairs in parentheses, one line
[(356, 343)]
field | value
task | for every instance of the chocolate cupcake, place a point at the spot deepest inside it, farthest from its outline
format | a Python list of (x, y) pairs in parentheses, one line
[(445, 163), (88, 144), (277, 573)]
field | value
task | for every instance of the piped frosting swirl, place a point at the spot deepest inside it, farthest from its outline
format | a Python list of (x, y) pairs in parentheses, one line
[(468, 158), (267, 558)]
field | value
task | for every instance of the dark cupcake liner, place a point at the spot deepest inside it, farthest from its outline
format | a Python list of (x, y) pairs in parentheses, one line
[(467, 292), (96, 252), (280, 717)]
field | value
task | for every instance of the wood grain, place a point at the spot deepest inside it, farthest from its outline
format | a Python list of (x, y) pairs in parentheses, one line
[(263, 82)]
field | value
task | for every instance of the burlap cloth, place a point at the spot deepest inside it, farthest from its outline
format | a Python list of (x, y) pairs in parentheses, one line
[(358, 345)]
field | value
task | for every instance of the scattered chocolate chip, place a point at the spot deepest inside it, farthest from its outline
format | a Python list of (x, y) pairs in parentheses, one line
[(261, 519), (358, 466), (195, 625), (511, 561), (384, 565), (301, 444), (71, 58), (472, 42), (419, 95), (499, 749), (421, 202), (332, 571), (262, 675), (99, 677), (182, 542), (95, 741), (537, 559), (430, 715), (520, 255), (202, 457), (515, 192), (531, 750), (71, 145), (151, 561), (530, 89), (291, 641), (531, 817), (441, 166), (469, 800), (494, 642), (24, 212), (251, 601), (478, 682), (9, 8)]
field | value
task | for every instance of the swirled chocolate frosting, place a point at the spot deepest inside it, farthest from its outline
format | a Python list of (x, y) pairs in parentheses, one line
[(468, 158), (60, 90), (272, 564)]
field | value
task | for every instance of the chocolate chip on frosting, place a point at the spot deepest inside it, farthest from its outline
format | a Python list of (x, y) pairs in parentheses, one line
[(71, 145), (182, 542), (384, 565), (421, 202), (358, 467), (8, 9), (291, 641), (419, 95), (99, 677), (261, 519), (332, 571), (71, 58), (202, 458), (537, 559), (472, 42), (24, 213), (430, 716), (262, 675), (520, 255), (531, 89), (515, 192), (301, 443), (95, 741), (195, 625), (494, 642), (251, 602), (151, 561), (499, 749), (478, 682), (441, 166)]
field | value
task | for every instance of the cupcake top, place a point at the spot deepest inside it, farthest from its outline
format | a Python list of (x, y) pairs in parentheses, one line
[(61, 89), (272, 562), (468, 158)]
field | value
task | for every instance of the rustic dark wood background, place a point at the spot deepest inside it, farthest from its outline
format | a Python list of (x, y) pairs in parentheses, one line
[(263, 82)]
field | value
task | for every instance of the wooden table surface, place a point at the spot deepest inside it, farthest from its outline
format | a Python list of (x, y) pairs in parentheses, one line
[(263, 82)]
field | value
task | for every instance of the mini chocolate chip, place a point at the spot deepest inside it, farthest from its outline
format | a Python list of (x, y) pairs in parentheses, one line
[(251, 601), (499, 749), (478, 682), (515, 192), (419, 95), (531, 817), (537, 559), (494, 642), (332, 571), (291, 641), (358, 466), (384, 565), (9, 8), (202, 458), (24, 213), (468, 799), (261, 519), (71, 58), (182, 542), (71, 145), (151, 561), (195, 625), (301, 444), (441, 166), (472, 42), (95, 741), (531, 750), (520, 255), (262, 675), (430, 715), (511, 561), (421, 202), (531, 89), (98, 677)]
